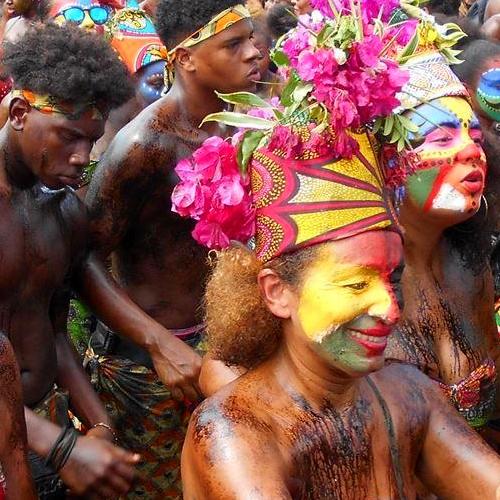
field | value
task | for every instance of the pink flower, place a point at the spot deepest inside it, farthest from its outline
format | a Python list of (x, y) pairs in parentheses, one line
[(284, 139), (212, 191)]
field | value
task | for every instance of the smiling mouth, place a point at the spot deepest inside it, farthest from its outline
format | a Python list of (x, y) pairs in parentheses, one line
[(374, 340)]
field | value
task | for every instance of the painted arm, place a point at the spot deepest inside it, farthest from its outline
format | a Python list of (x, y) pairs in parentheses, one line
[(223, 460), (13, 445), (455, 463)]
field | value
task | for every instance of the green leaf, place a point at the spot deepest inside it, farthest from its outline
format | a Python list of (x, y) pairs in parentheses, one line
[(280, 58), (250, 142), (324, 34), (301, 90), (407, 124), (244, 98), (410, 48), (239, 120), (389, 123), (377, 125), (286, 93)]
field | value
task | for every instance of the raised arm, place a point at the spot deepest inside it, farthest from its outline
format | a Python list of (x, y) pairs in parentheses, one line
[(13, 446), (225, 460), (455, 462)]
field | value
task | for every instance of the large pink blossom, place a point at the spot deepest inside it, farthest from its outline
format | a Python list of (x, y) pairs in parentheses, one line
[(212, 192), (370, 9)]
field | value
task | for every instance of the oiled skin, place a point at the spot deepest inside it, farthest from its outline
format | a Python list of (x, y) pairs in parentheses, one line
[(155, 257), (447, 326), (236, 448), (13, 436), (41, 236)]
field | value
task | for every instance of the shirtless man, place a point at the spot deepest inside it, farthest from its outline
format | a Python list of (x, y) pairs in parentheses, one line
[(17, 480), (62, 93), (154, 255)]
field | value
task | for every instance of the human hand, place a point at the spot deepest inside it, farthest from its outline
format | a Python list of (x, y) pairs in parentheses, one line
[(98, 469), (178, 366)]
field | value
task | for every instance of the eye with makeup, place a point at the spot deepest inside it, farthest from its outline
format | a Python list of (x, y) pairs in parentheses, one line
[(358, 286)]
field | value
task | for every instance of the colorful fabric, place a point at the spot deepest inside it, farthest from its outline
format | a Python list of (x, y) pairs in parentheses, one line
[(146, 418), (49, 105), (474, 396), (315, 198), (220, 22), (430, 78), (5, 87), (134, 38)]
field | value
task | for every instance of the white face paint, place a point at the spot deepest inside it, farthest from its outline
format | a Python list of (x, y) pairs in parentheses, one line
[(449, 198)]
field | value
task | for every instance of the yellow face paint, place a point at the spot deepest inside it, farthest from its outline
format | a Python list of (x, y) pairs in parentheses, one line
[(346, 301)]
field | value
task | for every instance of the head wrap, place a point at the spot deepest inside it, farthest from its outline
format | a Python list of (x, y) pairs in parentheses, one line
[(49, 105), (134, 38), (218, 23)]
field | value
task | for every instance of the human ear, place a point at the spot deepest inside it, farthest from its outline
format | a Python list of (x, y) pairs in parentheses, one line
[(185, 60), (275, 293), (18, 112)]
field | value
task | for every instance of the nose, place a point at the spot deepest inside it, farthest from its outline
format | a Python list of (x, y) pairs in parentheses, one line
[(470, 153), (81, 158), (252, 52), (87, 22), (385, 306)]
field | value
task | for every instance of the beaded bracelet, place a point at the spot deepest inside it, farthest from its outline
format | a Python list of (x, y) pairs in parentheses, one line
[(109, 428)]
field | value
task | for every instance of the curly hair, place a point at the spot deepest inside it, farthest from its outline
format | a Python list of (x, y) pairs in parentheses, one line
[(177, 19), (241, 329), (68, 64)]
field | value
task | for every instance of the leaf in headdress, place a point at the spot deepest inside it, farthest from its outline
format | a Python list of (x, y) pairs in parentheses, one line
[(245, 99), (239, 120)]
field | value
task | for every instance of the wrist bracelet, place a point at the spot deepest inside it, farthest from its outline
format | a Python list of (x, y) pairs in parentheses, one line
[(108, 427), (61, 449)]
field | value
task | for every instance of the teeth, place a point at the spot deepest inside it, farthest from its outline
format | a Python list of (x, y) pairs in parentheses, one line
[(368, 338)]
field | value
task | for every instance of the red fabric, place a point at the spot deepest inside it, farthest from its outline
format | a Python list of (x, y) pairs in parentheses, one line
[(5, 88)]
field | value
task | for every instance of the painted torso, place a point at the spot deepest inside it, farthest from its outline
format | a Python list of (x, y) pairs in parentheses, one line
[(445, 329), (319, 453), (35, 251)]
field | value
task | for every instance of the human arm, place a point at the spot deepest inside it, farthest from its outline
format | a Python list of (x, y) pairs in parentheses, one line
[(455, 463), (13, 446), (70, 374), (95, 468), (223, 459)]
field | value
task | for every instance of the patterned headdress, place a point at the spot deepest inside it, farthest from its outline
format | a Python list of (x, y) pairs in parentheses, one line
[(309, 163), (134, 38)]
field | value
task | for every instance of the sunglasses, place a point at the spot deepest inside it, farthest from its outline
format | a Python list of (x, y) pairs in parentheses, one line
[(99, 15)]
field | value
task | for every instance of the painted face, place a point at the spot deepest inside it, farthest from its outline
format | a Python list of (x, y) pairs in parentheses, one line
[(451, 170), (488, 93), (91, 15), (150, 81), (346, 303)]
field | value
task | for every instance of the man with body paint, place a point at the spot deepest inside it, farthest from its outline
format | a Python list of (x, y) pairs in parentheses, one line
[(447, 328), (309, 314), (154, 255)]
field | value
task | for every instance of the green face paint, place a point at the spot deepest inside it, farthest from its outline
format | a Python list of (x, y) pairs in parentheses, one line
[(488, 93), (420, 185)]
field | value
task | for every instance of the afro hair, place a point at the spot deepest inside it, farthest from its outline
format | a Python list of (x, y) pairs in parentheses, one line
[(177, 19), (69, 64)]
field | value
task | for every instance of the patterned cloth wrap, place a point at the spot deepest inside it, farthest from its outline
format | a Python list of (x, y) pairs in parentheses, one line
[(312, 199), (53, 407), (474, 396), (146, 417)]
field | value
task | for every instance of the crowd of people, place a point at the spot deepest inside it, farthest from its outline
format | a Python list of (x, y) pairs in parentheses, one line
[(249, 249)]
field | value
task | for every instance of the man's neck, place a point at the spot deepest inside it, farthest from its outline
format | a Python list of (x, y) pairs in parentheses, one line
[(196, 102), (312, 376), (14, 174)]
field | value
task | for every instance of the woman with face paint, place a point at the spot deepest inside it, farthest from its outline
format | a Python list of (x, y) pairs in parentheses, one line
[(447, 328)]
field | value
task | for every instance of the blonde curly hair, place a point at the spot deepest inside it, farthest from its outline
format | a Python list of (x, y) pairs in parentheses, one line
[(241, 330)]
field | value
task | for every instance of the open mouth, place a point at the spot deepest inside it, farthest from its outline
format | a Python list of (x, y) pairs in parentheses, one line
[(473, 182), (374, 340)]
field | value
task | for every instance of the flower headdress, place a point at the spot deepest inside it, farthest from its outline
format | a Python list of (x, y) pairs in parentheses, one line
[(314, 173)]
